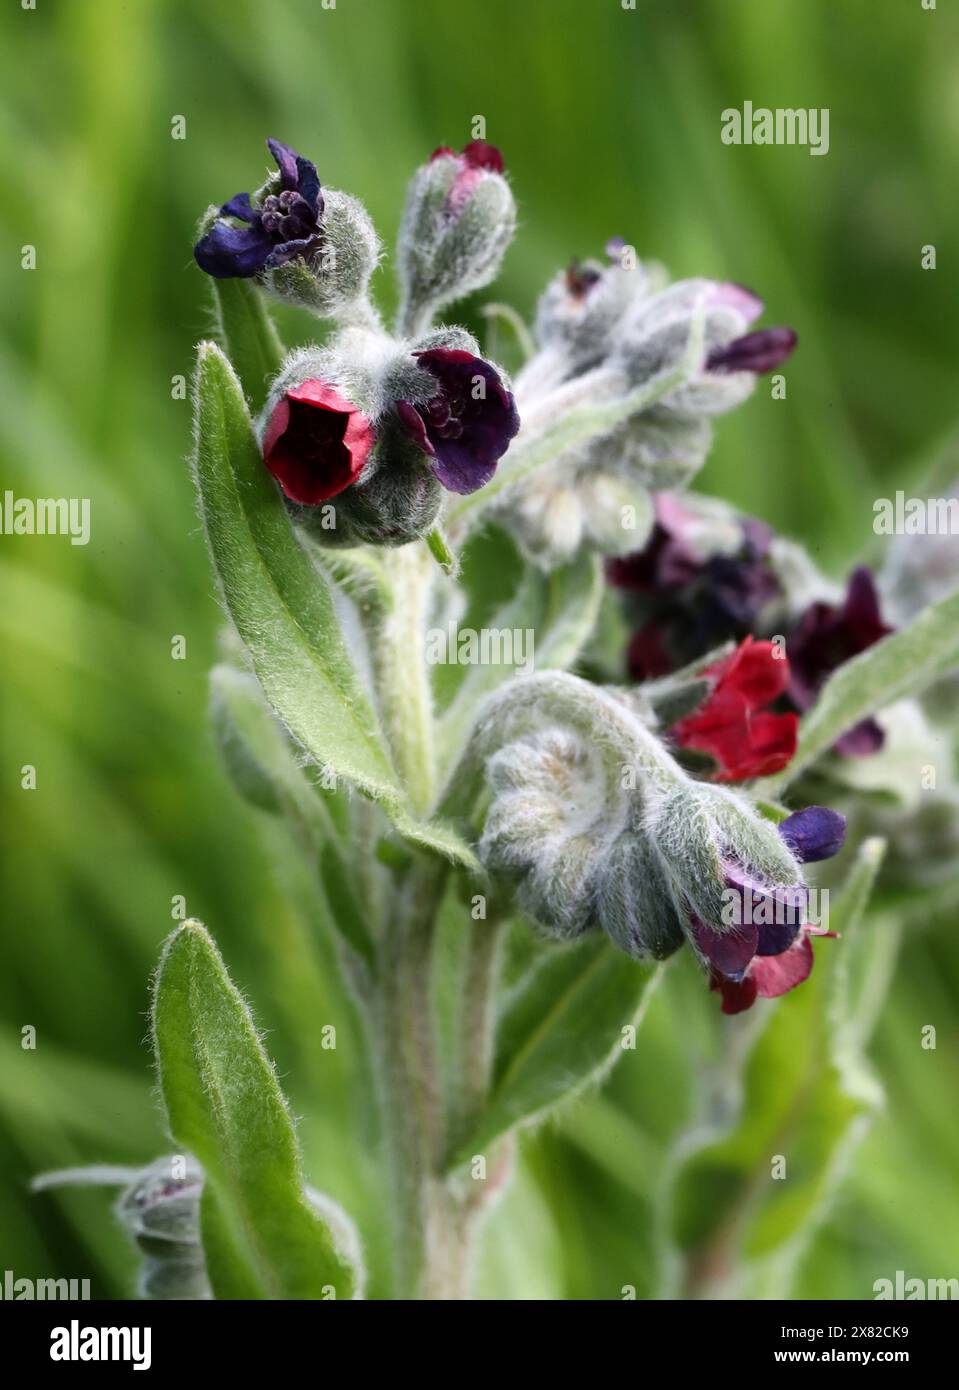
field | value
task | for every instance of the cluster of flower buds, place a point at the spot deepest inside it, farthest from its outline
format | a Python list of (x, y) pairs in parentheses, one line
[(619, 330), (384, 426), (381, 422), (595, 828)]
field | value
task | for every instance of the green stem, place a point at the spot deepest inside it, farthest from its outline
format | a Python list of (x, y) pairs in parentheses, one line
[(432, 1219), (477, 1024), (402, 675)]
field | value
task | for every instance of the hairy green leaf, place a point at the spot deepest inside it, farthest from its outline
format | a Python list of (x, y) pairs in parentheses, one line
[(902, 664), (561, 1029), (262, 1236)]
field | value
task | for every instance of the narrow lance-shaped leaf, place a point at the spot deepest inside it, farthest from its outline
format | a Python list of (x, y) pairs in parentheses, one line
[(283, 610), (262, 1236), (902, 664), (264, 767), (279, 602), (560, 1030)]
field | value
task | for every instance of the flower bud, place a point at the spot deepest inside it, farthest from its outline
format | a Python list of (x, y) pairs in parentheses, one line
[(399, 502), (546, 826), (161, 1212), (337, 276), (458, 220), (582, 307), (311, 247), (162, 1215)]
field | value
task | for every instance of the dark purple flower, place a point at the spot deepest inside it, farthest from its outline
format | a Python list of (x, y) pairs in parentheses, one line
[(758, 352), (287, 225), (691, 604), (466, 427), (768, 950), (827, 636)]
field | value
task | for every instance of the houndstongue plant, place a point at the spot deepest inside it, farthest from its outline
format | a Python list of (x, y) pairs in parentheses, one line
[(363, 493)]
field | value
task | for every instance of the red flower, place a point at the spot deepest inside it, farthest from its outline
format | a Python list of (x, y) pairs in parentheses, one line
[(733, 726), (765, 977), (316, 443)]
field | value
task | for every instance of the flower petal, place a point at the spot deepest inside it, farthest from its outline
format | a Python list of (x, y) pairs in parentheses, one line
[(738, 995), (481, 155), (755, 352), (316, 443), (814, 833), (757, 670), (286, 159), (241, 207), (229, 252), (728, 951), (775, 975)]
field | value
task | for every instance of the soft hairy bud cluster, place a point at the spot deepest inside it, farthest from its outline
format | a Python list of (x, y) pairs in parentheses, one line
[(674, 355), (459, 218), (595, 827)]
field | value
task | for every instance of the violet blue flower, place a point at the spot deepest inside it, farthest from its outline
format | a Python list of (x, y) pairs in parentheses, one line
[(287, 226)]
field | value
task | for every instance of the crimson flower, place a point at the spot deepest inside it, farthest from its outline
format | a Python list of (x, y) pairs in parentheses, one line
[(732, 725), (316, 443), (770, 952)]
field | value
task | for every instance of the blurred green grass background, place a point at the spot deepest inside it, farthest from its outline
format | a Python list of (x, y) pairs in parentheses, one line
[(610, 121)]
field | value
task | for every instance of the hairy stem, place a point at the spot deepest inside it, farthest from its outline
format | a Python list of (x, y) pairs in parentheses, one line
[(431, 1214), (402, 675), (477, 1024)]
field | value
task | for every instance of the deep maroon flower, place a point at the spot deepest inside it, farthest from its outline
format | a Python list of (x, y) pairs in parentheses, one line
[(828, 635), (691, 604), (466, 427), (287, 226), (770, 952), (733, 725), (316, 443), (477, 159), (757, 352)]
